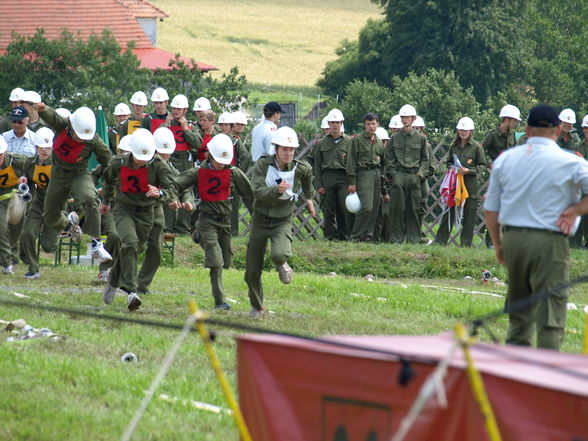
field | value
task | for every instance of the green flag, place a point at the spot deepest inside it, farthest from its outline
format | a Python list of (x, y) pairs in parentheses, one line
[(102, 131)]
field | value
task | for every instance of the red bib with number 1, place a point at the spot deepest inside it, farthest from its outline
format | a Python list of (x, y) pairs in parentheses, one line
[(133, 180), (214, 185)]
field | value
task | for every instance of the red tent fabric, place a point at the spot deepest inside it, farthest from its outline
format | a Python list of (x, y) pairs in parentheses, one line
[(295, 390)]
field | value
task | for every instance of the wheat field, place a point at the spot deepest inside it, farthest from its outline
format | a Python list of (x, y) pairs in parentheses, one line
[(285, 43)]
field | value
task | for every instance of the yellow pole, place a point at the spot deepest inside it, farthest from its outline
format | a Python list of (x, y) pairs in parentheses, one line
[(585, 350), (478, 385), (222, 379)]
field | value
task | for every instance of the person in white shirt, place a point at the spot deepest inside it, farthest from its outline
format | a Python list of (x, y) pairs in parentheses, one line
[(20, 138), (261, 135)]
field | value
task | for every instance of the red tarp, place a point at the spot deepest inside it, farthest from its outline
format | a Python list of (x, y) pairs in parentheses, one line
[(298, 390)]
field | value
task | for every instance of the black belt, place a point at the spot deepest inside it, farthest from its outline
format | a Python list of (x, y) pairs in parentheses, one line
[(215, 217), (411, 170), (531, 230)]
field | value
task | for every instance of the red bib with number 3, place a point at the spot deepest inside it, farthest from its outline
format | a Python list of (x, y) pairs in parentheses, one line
[(66, 148), (133, 180), (214, 185), (181, 143)]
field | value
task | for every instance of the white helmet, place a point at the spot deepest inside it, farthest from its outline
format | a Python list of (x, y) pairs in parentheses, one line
[(44, 137), (465, 123), (395, 122), (83, 122), (240, 117), (122, 109), (142, 145), (325, 123), (352, 203), (568, 116), (30, 96), (164, 140), (585, 121), (124, 144), (335, 115), (510, 111), (221, 148), (16, 94), (63, 112), (3, 145), (407, 110), (159, 94), (226, 118), (382, 133), (180, 102), (201, 104), (418, 122), (286, 137), (139, 98)]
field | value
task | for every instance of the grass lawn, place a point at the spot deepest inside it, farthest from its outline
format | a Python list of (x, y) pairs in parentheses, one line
[(282, 43), (77, 388)]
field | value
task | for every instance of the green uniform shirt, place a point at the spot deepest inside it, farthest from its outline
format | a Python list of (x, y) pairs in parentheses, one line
[(583, 150), (241, 154), (146, 121), (267, 199), (158, 174), (365, 152), (407, 152), (471, 156), (34, 126), (95, 145), (186, 195), (496, 142), (239, 184), (331, 154), (5, 124), (573, 142), (17, 161)]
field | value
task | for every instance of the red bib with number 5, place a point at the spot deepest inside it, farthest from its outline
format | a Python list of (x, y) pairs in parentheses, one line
[(133, 180), (66, 148), (214, 185), (181, 143)]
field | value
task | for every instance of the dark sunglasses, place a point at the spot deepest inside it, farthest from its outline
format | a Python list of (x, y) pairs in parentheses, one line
[(17, 122)]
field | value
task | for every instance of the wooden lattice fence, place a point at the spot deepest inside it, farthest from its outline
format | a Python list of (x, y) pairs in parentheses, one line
[(306, 227)]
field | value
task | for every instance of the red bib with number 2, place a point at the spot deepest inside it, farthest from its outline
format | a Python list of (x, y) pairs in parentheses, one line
[(133, 180), (214, 185)]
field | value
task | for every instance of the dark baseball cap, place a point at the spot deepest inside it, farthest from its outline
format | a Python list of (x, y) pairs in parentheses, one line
[(18, 113), (543, 115), (272, 106)]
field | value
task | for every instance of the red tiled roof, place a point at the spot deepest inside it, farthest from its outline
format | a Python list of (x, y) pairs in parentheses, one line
[(83, 16), (153, 58), (143, 9)]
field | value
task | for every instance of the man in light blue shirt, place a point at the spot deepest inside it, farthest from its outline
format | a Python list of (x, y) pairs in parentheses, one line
[(262, 133), (20, 138), (534, 195)]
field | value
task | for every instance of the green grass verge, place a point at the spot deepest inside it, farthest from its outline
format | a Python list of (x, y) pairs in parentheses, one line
[(77, 388)]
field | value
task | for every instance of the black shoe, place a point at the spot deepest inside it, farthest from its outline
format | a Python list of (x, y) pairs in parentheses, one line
[(222, 307), (196, 235)]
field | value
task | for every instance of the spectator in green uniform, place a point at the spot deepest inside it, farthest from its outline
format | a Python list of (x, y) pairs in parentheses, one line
[(37, 171), (364, 170), (407, 163), (216, 181), (419, 124), (468, 155), (74, 142), (502, 137), (159, 99), (330, 176), (138, 103), (122, 114), (275, 182), (134, 182), (568, 138)]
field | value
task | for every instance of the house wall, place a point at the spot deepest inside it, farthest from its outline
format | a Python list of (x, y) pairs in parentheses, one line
[(149, 26)]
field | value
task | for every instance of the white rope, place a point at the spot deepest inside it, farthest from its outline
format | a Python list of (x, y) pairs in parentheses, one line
[(169, 358)]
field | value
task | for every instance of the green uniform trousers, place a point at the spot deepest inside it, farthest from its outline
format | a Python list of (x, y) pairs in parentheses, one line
[(215, 232), (263, 228), (368, 190), (133, 225), (81, 188), (179, 221), (405, 202), (5, 245), (152, 260), (15, 233), (470, 211), (337, 220), (235, 209), (34, 225), (381, 228), (536, 260), (112, 243), (425, 190)]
